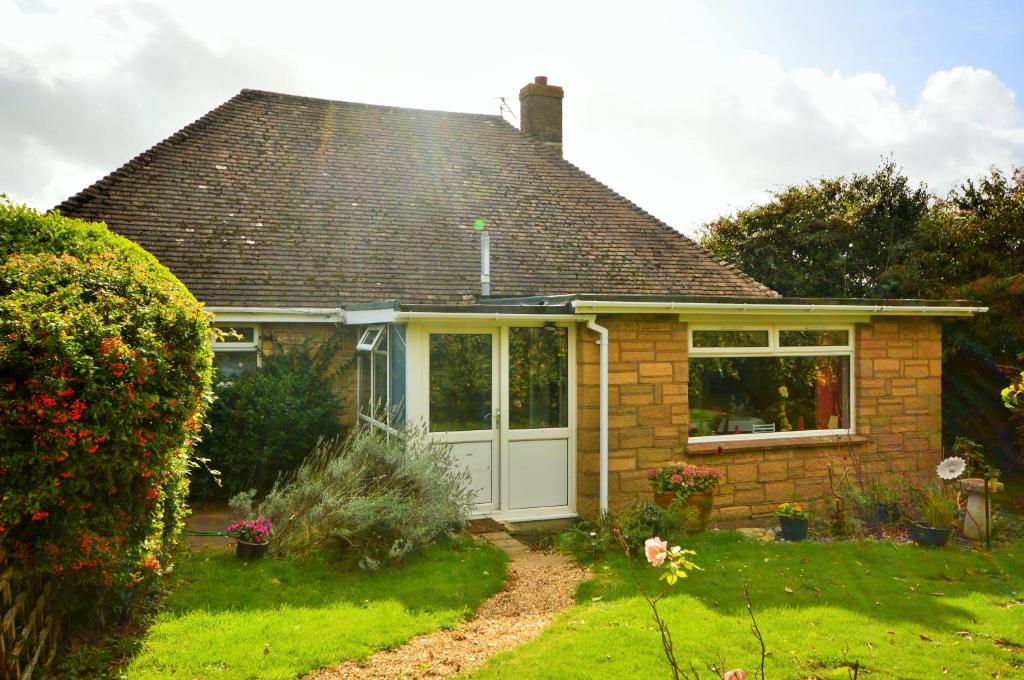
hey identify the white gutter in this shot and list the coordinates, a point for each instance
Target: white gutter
(278, 314)
(602, 332)
(640, 307)
(495, 316)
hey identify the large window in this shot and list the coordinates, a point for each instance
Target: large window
(236, 350)
(770, 381)
(381, 376)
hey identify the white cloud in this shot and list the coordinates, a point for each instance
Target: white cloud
(663, 102)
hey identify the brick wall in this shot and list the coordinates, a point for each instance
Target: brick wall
(648, 414)
(898, 377)
(289, 336)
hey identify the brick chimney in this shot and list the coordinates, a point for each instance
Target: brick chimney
(540, 112)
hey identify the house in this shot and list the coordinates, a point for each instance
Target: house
(559, 337)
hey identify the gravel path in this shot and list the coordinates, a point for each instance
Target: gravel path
(540, 585)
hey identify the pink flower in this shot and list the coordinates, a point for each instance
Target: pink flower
(677, 478)
(652, 473)
(735, 674)
(655, 549)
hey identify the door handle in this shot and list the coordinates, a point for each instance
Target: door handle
(497, 417)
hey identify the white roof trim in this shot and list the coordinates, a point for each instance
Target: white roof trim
(278, 314)
(798, 309)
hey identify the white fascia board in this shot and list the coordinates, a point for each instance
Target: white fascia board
(491, 316)
(277, 314)
(697, 308)
(365, 317)
(362, 317)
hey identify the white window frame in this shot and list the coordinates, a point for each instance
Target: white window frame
(774, 349)
(228, 345)
(369, 342)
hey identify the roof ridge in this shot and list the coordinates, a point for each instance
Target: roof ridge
(97, 187)
(549, 151)
(251, 92)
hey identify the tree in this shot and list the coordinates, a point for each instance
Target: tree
(839, 237)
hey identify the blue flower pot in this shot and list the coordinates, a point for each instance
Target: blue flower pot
(250, 551)
(793, 529)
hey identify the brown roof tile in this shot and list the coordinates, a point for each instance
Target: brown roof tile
(278, 200)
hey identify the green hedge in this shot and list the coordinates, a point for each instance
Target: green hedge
(105, 367)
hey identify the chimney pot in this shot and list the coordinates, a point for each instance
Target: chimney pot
(540, 112)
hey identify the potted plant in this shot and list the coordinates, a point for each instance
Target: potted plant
(935, 518)
(938, 505)
(694, 485)
(252, 537)
(884, 505)
(792, 521)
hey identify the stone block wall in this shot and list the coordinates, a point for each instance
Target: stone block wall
(898, 411)
(290, 336)
(648, 413)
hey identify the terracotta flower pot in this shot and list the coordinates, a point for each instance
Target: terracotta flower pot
(664, 499)
(697, 504)
(250, 551)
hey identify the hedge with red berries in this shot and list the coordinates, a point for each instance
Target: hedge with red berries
(105, 368)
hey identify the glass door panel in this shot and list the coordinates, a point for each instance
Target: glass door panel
(538, 374)
(461, 379)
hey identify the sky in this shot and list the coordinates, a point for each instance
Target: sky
(691, 109)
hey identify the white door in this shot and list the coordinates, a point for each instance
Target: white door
(503, 397)
(462, 384)
(537, 446)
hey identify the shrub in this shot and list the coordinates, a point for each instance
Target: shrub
(104, 377)
(592, 539)
(263, 423)
(380, 497)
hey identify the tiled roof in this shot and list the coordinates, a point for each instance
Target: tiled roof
(283, 201)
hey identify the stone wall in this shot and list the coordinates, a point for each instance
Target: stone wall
(290, 336)
(648, 414)
(898, 402)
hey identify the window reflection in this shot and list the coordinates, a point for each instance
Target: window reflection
(460, 382)
(538, 377)
(747, 395)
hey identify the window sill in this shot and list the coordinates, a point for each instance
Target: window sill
(699, 448)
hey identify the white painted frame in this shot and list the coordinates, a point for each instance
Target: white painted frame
(372, 351)
(775, 350)
(229, 346)
(418, 408)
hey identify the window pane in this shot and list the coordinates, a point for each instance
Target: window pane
(460, 382)
(745, 395)
(396, 355)
(238, 334)
(813, 338)
(730, 338)
(538, 377)
(363, 359)
(380, 386)
(230, 364)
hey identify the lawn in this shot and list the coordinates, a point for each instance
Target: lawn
(901, 611)
(282, 618)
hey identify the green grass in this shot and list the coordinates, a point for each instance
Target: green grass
(280, 618)
(901, 611)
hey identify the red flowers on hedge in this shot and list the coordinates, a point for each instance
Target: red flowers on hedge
(105, 361)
